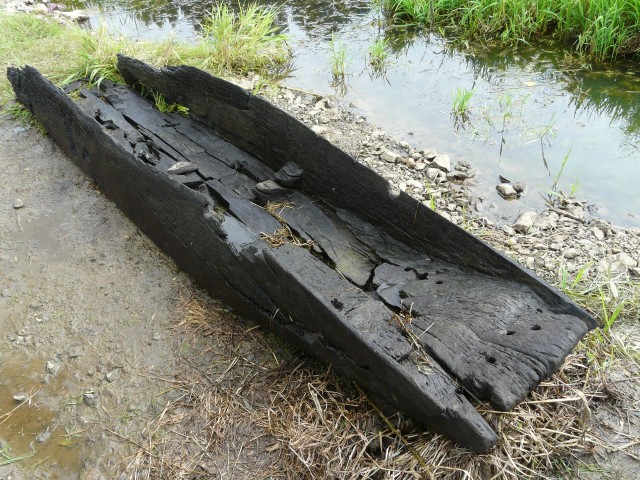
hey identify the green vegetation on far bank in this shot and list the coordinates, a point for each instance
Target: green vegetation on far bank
(602, 29)
(231, 43)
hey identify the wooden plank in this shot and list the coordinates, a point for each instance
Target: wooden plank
(276, 138)
(287, 289)
(308, 218)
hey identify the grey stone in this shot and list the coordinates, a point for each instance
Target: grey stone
(318, 130)
(546, 223)
(457, 176)
(508, 230)
(182, 167)
(524, 222)
(90, 399)
(18, 204)
(420, 166)
(506, 191)
(429, 154)
(442, 162)
(409, 162)
(52, 367)
(112, 375)
(519, 187)
(599, 234)
(389, 157)
(432, 173)
(20, 397)
(570, 253)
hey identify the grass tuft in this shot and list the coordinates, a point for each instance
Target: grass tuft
(338, 59)
(244, 41)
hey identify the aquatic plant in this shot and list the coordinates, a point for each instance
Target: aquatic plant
(338, 60)
(461, 99)
(602, 28)
(246, 40)
(379, 53)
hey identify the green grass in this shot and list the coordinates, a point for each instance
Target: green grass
(244, 41)
(231, 43)
(338, 59)
(379, 53)
(603, 29)
(461, 100)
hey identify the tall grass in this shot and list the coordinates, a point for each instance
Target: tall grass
(242, 42)
(246, 40)
(338, 59)
(602, 29)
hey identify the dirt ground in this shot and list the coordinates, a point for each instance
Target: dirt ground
(87, 315)
(84, 311)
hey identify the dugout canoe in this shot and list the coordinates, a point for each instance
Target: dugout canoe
(294, 233)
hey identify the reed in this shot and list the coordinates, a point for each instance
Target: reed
(603, 29)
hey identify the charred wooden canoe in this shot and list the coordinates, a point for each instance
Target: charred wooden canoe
(294, 233)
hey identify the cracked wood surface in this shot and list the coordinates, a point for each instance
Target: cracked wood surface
(498, 336)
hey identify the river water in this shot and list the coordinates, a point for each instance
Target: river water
(528, 112)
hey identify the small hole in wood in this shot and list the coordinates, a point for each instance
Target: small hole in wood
(536, 327)
(407, 269)
(491, 359)
(539, 310)
(459, 391)
(439, 282)
(510, 332)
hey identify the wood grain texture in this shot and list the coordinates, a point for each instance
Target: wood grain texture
(275, 138)
(212, 230)
(478, 318)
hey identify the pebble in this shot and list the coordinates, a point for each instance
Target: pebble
(112, 375)
(442, 162)
(43, 437)
(409, 162)
(52, 367)
(599, 234)
(182, 167)
(524, 222)
(506, 191)
(429, 154)
(389, 156)
(508, 230)
(18, 204)
(457, 176)
(20, 397)
(519, 187)
(546, 222)
(318, 130)
(432, 173)
(420, 166)
(570, 253)
(90, 399)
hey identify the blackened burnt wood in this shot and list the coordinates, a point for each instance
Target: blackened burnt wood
(219, 211)
(214, 233)
(276, 138)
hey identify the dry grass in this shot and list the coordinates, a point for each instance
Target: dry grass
(245, 403)
(284, 234)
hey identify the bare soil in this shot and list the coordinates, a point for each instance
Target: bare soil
(87, 320)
